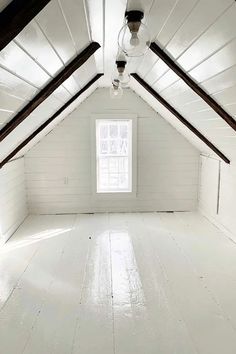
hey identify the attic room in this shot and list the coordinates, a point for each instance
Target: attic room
(117, 177)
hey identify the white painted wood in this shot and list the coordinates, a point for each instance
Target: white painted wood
(59, 32)
(14, 59)
(118, 283)
(225, 218)
(40, 115)
(167, 165)
(209, 184)
(200, 36)
(175, 19)
(15, 86)
(220, 33)
(201, 17)
(79, 31)
(95, 14)
(33, 40)
(13, 200)
(61, 38)
(170, 118)
(50, 127)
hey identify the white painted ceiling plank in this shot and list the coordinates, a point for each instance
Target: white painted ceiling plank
(95, 12)
(161, 9)
(158, 70)
(4, 117)
(51, 18)
(176, 18)
(168, 116)
(9, 102)
(34, 42)
(221, 61)
(85, 73)
(74, 14)
(65, 113)
(203, 15)
(15, 60)
(216, 37)
(147, 63)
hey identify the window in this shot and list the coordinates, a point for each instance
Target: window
(114, 155)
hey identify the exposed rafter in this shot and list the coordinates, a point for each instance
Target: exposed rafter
(49, 89)
(193, 85)
(48, 121)
(180, 117)
(16, 16)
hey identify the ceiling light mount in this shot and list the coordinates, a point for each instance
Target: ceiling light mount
(134, 16)
(120, 64)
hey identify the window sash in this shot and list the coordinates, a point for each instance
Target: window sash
(106, 174)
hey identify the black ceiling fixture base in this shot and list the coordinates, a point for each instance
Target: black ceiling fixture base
(120, 63)
(134, 16)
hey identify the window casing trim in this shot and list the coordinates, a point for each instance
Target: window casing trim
(112, 195)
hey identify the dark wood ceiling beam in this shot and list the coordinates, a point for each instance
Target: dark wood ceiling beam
(49, 89)
(180, 117)
(50, 120)
(16, 16)
(193, 85)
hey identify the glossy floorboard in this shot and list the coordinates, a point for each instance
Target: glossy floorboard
(118, 283)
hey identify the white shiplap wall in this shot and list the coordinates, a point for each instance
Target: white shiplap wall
(58, 169)
(13, 201)
(218, 186)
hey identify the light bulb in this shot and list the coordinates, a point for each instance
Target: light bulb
(134, 40)
(116, 91)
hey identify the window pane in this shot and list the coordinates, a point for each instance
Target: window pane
(113, 165)
(103, 147)
(113, 130)
(123, 131)
(104, 131)
(113, 147)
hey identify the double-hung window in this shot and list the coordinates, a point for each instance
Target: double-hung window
(114, 155)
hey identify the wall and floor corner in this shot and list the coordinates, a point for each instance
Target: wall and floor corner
(13, 199)
(217, 194)
(58, 169)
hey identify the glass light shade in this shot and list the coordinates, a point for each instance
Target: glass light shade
(134, 39)
(123, 77)
(116, 91)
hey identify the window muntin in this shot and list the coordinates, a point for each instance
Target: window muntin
(114, 155)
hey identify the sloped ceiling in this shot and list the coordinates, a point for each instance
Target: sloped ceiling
(200, 35)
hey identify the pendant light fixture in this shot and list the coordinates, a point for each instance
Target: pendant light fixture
(116, 91)
(134, 38)
(120, 72)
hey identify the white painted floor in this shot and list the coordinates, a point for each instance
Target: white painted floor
(118, 283)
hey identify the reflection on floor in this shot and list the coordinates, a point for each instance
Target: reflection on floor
(118, 283)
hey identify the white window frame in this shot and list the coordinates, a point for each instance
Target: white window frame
(117, 194)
